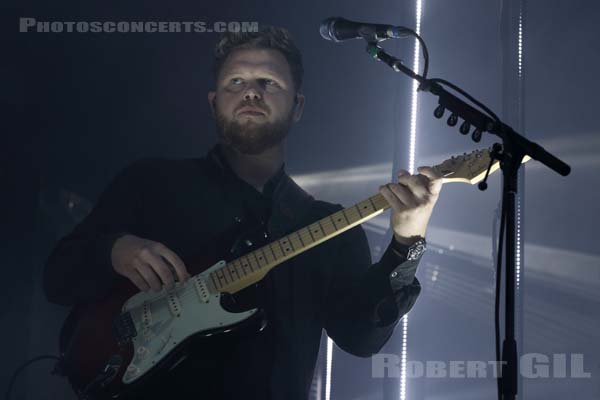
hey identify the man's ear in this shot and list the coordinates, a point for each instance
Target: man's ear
(298, 106)
(212, 98)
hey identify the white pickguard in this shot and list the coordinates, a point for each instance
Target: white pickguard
(164, 319)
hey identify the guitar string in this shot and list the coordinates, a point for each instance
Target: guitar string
(189, 289)
(326, 222)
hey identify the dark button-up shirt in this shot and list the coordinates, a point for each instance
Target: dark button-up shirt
(192, 206)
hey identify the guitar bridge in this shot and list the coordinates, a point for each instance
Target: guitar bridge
(124, 328)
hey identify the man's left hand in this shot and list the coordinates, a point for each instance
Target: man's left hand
(412, 200)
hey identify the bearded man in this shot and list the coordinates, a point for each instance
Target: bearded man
(158, 216)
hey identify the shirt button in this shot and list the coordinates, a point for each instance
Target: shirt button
(394, 274)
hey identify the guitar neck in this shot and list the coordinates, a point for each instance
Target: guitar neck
(252, 267)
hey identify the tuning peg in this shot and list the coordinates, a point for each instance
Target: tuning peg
(452, 120)
(439, 111)
(476, 136)
(465, 127)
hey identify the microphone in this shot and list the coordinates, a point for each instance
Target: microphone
(339, 29)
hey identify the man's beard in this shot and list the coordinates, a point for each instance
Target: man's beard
(251, 137)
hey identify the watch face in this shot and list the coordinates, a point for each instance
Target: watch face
(416, 250)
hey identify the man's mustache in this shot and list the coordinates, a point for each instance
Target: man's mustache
(261, 106)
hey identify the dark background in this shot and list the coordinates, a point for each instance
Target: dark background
(79, 107)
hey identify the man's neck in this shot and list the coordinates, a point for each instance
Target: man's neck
(255, 169)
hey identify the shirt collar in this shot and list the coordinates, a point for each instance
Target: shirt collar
(216, 156)
(290, 202)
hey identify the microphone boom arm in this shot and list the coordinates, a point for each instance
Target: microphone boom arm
(520, 145)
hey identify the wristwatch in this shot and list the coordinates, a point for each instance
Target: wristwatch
(410, 252)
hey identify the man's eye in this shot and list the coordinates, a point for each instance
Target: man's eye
(265, 82)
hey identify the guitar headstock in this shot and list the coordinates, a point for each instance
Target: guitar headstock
(469, 167)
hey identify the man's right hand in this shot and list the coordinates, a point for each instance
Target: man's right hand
(146, 263)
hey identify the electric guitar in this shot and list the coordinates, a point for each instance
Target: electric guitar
(113, 346)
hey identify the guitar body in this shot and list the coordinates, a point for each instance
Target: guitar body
(113, 346)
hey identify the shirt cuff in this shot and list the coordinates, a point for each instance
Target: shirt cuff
(393, 285)
(401, 272)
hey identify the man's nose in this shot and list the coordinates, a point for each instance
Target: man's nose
(252, 92)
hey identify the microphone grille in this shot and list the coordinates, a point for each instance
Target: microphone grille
(326, 29)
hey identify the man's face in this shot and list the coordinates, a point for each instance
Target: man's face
(254, 103)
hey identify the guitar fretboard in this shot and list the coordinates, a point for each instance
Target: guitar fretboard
(244, 271)
(252, 267)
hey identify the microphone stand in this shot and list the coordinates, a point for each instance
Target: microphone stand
(510, 154)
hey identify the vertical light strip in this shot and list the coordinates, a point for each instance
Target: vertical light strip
(328, 369)
(403, 360)
(411, 169)
(413, 111)
(518, 246)
(520, 44)
(518, 202)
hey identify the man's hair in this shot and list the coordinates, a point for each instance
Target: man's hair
(267, 37)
